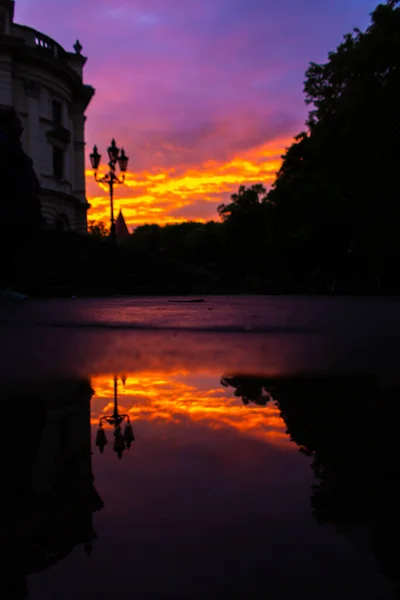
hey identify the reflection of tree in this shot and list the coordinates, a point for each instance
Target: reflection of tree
(249, 389)
(50, 494)
(348, 427)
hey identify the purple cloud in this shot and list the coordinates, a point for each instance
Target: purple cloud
(179, 84)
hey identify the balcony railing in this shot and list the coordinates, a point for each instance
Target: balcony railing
(44, 42)
(38, 40)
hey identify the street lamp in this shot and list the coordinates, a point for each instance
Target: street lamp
(115, 156)
(122, 441)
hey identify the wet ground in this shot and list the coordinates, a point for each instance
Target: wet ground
(233, 448)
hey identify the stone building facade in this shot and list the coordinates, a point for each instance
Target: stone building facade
(45, 85)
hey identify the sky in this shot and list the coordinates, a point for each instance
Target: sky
(203, 95)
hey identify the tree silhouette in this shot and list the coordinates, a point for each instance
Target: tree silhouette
(249, 389)
(335, 194)
(98, 230)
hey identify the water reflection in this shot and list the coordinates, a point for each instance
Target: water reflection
(122, 441)
(50, 496)
(345, 424)
(349, 428)
(182, 397)
(215, 480)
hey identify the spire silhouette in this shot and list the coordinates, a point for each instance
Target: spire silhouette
(121, 229)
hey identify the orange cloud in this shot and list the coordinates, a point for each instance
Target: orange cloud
(177, 195)
(160, 397)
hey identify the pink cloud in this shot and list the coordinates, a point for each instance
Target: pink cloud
(179, 84)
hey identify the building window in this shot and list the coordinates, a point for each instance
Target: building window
(57, 113)
(58, 163)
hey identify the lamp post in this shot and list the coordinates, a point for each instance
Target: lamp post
(115, 156)
(122, 441)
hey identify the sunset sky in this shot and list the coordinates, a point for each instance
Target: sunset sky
(203, 95)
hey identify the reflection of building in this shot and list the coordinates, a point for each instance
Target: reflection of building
(51, 492)
(45, 85)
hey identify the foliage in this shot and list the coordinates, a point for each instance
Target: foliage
(335, 194)
(191, 242)
(248, 203)
(98, 230)
(329, 222)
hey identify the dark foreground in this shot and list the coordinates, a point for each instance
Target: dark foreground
(62, 265)
(264, 461)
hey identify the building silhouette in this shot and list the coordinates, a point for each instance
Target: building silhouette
(44, 83)
(121, 229)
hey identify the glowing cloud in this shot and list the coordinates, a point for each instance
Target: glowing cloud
(193, 194)
(194, 91)
(178, 397)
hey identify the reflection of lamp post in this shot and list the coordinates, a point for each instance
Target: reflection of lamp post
(122, 440)
(115, 155)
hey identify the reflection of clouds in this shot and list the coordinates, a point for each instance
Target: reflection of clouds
(178, 397)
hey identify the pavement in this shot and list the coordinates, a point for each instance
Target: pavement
(267, 335)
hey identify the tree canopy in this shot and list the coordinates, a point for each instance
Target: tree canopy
(329, 221)
(337, 188)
